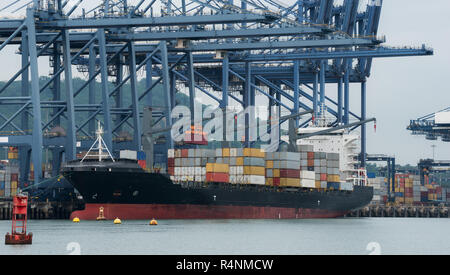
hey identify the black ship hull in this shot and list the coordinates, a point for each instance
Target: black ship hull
(126, 191)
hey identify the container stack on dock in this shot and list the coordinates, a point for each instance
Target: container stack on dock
(379, 189)
(2, 183)
(416, 188)
(13, 153)
(408, 190)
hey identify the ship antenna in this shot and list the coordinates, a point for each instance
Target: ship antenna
(101, 145)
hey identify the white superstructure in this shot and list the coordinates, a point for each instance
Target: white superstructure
(341, 141)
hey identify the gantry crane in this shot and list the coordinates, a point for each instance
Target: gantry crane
(229, 51)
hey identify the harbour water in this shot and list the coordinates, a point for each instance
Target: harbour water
(237, 237)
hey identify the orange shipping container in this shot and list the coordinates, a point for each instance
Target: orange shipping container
(218, 177)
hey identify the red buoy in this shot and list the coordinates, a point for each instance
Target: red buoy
(19, 222)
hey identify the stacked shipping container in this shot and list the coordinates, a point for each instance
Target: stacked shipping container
(9, 181)
(379, 189)
(255, 167)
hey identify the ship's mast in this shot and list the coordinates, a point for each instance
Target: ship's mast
(101, 145)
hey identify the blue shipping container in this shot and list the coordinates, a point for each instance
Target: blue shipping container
(2, 185)
(141, 155)
(371, 175)
(399, 194)
(333, 185)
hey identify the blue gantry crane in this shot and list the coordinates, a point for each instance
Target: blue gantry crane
(432, 126)
(229, 51)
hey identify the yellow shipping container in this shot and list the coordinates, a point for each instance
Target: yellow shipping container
(399, 200)
(12, 155)
(409, 200)
(269, 164)
(13, 192)
(287, 182)
(318, 185)
(269, 181)
(217, 168)
(254, 170)
(276, 173)
(240, 161)
(252, 152)
(333, 178)
(14, 184)
(226, 152)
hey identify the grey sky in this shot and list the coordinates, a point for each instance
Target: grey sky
(399, 89)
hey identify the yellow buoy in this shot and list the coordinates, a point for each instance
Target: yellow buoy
(153, 222)
(76, 220)
(117, 221)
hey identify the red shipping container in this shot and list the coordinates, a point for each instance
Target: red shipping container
(218, 177)
(184, 153)
(14, 177)
(311, 156)
(171, 171)
(323, 177)
(171, 162)
(142, 163)
(290, 173)
(310, 163)
(276, 181)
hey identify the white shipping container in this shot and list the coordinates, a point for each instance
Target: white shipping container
(191, 171)
(240, 170)
(257, 180)
(171, 153)
(177, 171)
(198, 171)
(232, 171)
(308, 183)
(7, 189)
(128, 154)
(184, 171)
(442, 118)
(309, 175)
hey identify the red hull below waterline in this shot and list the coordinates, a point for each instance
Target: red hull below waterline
(180, 211)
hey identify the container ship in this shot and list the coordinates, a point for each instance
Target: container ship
(224, 183)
